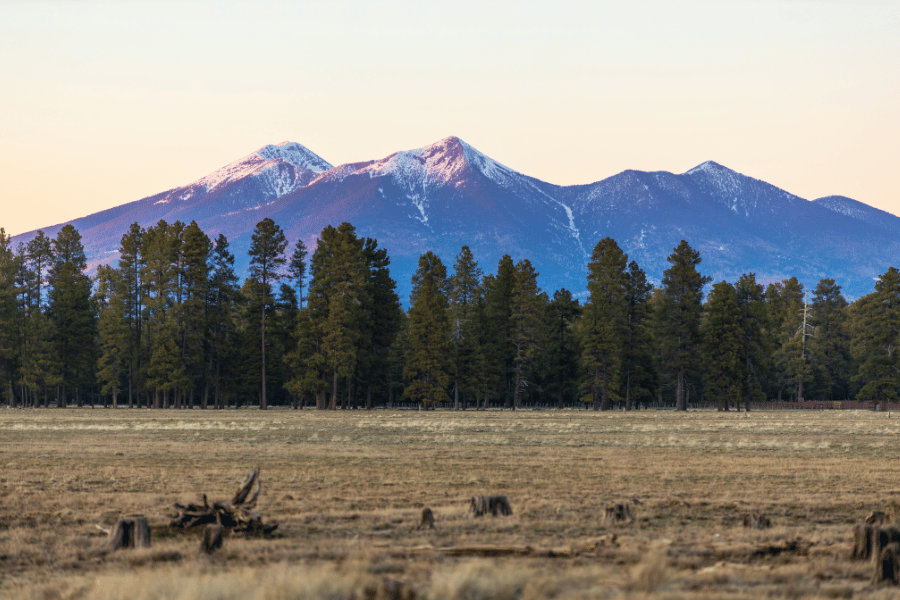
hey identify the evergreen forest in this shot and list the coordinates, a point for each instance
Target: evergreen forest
(173, 326)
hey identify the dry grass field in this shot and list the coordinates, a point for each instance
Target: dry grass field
(347, 490)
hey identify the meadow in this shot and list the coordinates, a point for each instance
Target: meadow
(347, 489)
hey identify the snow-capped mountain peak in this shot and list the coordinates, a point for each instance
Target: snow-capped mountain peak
(266, 158)
(297, 155)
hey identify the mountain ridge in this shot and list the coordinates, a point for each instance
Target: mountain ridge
(448, 194)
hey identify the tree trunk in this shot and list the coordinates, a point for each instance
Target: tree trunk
(369, 396)
(334, 391)
(262, 398)
(680, 401)
(628, 401)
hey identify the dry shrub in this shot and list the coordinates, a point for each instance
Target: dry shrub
(282, 582)
(478, 580)
(652, 570)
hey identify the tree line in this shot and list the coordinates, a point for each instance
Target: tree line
(172, 326)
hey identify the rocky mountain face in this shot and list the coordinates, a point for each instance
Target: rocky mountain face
(449, 194)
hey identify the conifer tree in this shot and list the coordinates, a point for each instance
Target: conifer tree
(498, 348)
(40, 258)
(639, 375)
(785, 302)
(70, 310)
(266, 261)
(562, 349)
(195, 250)
(428, 363)
(466, 293)
(112, 332)
(333, 327)
(757, 348)
(297, 269)
(723, 347)
(223, 296)
(604, 325)
(679, 318)
(8, 318)
(132, 294)
(831, 345)
(877, 340)
(381, 320)
(525, 324)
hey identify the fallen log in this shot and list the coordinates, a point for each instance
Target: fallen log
(237, 515)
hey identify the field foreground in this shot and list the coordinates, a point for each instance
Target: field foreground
(347, 489)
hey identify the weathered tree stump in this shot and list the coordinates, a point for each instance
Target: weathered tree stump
(869, 540)
(493, 505)
(617, 514)
(427, 519)
(212, 539)
(887, 566)
(237, 515)
(862, 542)
(876, 517)
(757, 521)
(130, 533)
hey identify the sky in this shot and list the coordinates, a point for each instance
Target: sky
(107, 102)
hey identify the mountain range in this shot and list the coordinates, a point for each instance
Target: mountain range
(449, 194)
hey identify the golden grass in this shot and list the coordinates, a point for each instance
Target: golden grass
(347, 489)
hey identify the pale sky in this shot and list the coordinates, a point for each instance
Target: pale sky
(103, 103)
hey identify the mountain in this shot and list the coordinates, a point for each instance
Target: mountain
(448, 194)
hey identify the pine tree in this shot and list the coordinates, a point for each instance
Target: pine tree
(639, 375)
(70, 310)
(466, 293)
(112, 331)
(604, 325)
(8, 318)
(723, 347)
(754, 323)
(831, 345)
(221, 309)
(562, 348)
(877, 340)
(527, 308)
(381, 306)
(495, 323)
(266, 260)
(785, 302)
(196, 250)
(679, 318)
(297, 269)
(334, 326)
(132, 294)
(429, 364)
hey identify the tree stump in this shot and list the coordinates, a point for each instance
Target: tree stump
(876, 517)
(887, 566)
(757, 521)
(869, 540)
(427, 519)
(862, 542)
(212, 539)
(617, 514)
(493, 505)
(130, 533)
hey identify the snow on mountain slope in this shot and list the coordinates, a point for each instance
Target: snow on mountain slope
(861, 212)
(284, 167)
